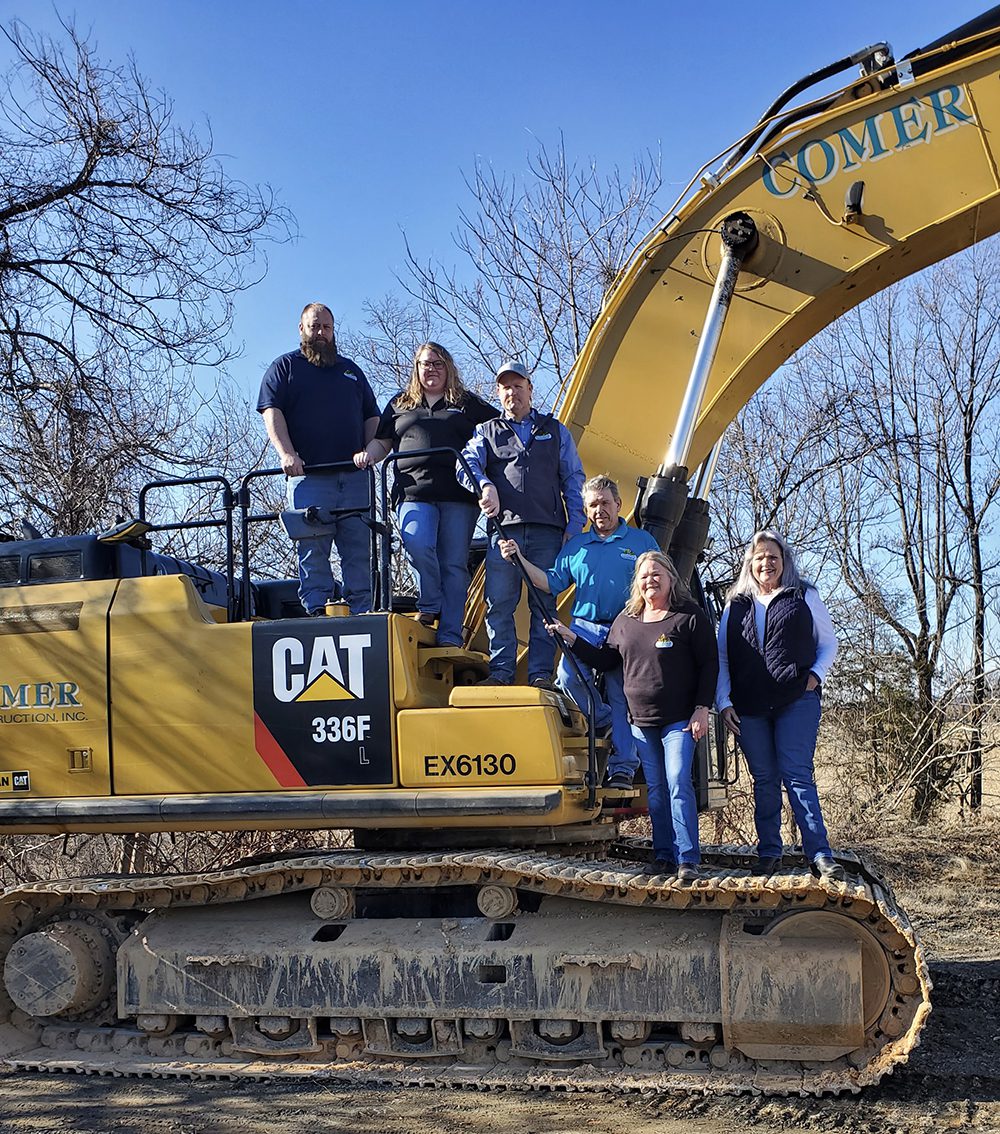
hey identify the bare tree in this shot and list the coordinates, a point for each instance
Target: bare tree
(963, 307)
(122, 245)
(543, 250)
(772, 461)
(916, 370)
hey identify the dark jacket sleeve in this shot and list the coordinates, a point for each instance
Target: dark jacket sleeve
(597, 657)
(706, 652)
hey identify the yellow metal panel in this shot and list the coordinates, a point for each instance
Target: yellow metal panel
(480, 747)
(53, 690)
(181, 692)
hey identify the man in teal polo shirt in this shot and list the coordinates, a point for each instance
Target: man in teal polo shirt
(600, 563)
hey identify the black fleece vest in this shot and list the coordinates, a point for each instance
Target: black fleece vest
(765, 680)
(526, 477)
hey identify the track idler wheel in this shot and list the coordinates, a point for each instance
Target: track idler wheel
(876, 979)
(64, 969)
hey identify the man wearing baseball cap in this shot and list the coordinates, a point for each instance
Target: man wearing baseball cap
(528, 475)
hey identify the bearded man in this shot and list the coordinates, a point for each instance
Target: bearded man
(319, 409)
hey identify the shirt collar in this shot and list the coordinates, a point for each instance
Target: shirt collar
(616, 534)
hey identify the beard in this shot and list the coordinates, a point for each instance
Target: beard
(319, 352)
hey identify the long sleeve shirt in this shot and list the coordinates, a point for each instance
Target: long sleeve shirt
(570, 471)
(670, 667)
(823, 633)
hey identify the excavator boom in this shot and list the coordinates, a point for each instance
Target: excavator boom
(831, 191)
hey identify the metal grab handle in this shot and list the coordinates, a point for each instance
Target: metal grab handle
(246, 518)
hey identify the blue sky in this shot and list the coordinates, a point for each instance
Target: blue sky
(363, 116)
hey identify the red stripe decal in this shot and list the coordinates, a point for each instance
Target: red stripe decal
(274, 757)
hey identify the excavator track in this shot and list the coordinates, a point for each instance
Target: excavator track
(63, 941)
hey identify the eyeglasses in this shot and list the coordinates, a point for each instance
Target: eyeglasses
(432, 364)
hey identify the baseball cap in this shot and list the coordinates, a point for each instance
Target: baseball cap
(514, 368)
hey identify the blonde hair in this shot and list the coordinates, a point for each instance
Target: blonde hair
(455, 392)
(679, 592)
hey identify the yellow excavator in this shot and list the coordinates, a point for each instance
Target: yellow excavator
(490, 926)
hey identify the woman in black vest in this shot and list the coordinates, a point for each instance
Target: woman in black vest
(437, 516)
(776, 646)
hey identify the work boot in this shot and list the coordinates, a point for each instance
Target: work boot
(619, 781)
(764, 866)
(688, 872)
(662, 866)
(827, 867)
(544, 683)
(492, 681)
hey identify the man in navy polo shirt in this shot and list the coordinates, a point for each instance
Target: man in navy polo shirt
(600, 563)
(319, 410)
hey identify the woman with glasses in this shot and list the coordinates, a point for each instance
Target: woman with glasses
(436, 515)
(776, 646)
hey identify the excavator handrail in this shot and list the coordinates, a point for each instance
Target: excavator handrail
(228, 505)
(247, 518)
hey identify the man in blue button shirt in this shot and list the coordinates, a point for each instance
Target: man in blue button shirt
(528, 475)
(600, 563)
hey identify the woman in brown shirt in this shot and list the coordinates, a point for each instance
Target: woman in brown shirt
(666, 646)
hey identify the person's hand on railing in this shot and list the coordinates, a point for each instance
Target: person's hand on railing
(291, 464)
(489, 501)
(557, 629)
(371, 454)
(509, 549)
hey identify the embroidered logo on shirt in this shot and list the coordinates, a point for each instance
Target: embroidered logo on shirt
(543, 436)
(628, 553)
(663, 642)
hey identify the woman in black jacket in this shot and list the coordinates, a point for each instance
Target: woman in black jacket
(437, 517)
(776, 645)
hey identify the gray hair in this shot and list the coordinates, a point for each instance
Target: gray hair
(602, 483)
(746, 584)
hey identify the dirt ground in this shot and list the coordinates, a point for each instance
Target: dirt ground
(948, 880)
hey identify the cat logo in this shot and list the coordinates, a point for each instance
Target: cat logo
(15, 781)
(334, 670)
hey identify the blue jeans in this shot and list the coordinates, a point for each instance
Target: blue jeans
(612, 712)
(667, 755)
(779, 750)
(436, 537)
(350, 534)
(540, 544)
